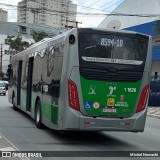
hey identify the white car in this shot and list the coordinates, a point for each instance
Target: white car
(2, 88)
(6, 83)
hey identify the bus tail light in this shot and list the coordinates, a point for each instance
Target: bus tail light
(73, 95)
(143, 99)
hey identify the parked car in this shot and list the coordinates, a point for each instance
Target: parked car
(5, 78)
(2, 88)
(6, 83)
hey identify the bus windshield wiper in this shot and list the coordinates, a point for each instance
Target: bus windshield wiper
(90, 47)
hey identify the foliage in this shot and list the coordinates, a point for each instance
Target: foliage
(1, 74)
(38, 36)
(18, 44)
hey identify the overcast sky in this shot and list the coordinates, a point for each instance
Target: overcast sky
(84, 6)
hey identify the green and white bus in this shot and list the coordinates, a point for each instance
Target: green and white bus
(85, 80)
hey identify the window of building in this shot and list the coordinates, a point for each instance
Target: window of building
(6, 52)
(23, 29)
(6, 41)
(9, 52)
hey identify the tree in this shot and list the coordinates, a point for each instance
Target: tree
(38, 36)
(1, 74)
(26, 44)
(18, 44)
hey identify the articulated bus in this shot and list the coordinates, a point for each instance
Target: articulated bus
(84, 80)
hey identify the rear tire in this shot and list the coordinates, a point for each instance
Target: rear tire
(13, 102)
(38, 115)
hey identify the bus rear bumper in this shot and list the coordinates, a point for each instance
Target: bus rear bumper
(135, 123)
(77, 121)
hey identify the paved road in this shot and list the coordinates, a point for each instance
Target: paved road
(19, 132)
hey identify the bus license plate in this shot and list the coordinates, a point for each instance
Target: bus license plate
(110, 110)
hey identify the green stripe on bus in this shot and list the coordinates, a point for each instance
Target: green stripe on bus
(50, 112)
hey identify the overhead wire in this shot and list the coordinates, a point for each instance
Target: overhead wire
(89, 6)
(113, 5)
(9, 5)
(106, 4)
(56, 1)
(88, 14)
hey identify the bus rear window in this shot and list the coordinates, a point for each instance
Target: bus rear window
(112, 48)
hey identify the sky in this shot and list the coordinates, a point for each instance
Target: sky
(83, 6)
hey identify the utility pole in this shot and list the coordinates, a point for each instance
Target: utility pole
(77, 23)
(1, 54)
(73, 22)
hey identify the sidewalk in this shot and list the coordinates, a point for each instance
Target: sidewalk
(153, 112)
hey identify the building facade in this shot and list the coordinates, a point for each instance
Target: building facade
(3, 15)
(59, 14)
(147, 21)
(23, 30)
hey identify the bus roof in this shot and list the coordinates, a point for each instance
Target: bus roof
(38, 46)
(114, 30)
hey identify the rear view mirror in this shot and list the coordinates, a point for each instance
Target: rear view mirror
(10, 71)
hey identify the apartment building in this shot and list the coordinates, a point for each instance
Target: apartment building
(55, 13)
(3, 15)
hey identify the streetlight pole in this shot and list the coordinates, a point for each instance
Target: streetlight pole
(1, 54)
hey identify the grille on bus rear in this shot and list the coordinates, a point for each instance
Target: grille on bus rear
(115, 76)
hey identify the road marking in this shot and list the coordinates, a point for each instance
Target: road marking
(13, 148)
(10, 143)
(7, 149)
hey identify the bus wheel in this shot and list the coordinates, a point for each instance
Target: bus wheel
(38, 115)
(13, 102)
